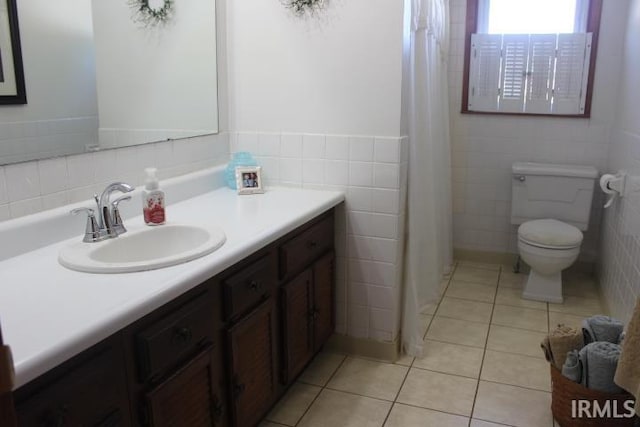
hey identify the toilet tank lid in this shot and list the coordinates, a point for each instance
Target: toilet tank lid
(529, 168)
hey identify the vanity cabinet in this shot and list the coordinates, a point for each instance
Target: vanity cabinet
(219, 355)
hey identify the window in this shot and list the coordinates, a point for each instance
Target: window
(530, 57)
(526, 17)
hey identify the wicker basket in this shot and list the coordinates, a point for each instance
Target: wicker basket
(564, 391)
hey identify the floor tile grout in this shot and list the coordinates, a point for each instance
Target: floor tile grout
(493, 422)
(514, 385)
(447, 373)
(321, 389)
(484, 354)
(430, 409)
(353, 393)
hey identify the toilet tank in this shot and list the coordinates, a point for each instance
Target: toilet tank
(562, 192)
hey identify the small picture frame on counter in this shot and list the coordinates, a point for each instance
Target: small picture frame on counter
(249, 179)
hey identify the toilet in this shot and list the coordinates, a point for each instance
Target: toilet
(551, 204)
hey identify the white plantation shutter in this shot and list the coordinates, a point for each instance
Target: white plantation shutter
(515, 48)
(484, 72)
(572, 67)
(531, 73)
(542, 56)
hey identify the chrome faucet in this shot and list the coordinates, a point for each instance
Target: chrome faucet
(105, 209)
(108, 223)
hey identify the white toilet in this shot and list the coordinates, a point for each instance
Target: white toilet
(552, 204)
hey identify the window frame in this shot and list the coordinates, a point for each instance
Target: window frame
(593, 26)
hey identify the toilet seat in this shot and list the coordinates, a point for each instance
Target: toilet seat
(550, 234)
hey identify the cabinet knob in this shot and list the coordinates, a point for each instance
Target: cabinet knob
(57, 418)
(256, 286)
(182, 335)
(312, 244)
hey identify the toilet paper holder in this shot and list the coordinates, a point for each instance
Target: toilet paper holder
(614, 185)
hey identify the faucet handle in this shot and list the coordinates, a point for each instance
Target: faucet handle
(92, 229)
(117, 223)
(117, 201)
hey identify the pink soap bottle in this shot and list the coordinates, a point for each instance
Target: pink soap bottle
(152, 199)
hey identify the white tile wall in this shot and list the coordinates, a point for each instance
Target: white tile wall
(619, 266)
(484, 147)
(20, 141)
(33, 186)
(369, 230)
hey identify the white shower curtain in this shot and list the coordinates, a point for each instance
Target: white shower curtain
(429, 252)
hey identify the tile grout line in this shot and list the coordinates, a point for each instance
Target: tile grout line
(495, 422)
(353, 393)
(518, 386)
(322, 388)
(395, 400)
(484, 352)
(490, 324)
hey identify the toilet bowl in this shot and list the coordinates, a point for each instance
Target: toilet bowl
(548, 246)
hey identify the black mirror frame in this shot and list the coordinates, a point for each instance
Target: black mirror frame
(21, 95)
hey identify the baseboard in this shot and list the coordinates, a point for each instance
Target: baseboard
(588, 267)
(387, 351)
(510, 259)
(487, 257)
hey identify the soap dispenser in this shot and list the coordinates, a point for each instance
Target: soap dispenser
(152, 199)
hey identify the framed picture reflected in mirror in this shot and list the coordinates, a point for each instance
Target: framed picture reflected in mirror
(12, 88)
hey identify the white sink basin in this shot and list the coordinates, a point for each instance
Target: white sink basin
(143, 249)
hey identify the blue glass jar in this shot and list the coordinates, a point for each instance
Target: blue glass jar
(241, 158)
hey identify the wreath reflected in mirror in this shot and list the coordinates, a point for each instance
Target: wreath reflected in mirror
(151, 13)
(304, 7)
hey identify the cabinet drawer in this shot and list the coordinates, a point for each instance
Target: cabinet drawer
(174, 337)
(93, 393)
(245, 289)
(298, 252)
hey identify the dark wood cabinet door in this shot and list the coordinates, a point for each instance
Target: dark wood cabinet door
(7, 411)
(90, 393)
(297, 312)
(323, 285)
(252, 354)
(187, 398)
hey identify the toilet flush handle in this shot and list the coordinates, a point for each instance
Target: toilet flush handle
(520, 178)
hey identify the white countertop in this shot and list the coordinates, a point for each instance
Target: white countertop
(49, 314)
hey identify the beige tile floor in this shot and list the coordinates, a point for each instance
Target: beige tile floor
(482, 366)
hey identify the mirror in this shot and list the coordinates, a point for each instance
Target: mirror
(98, 77)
